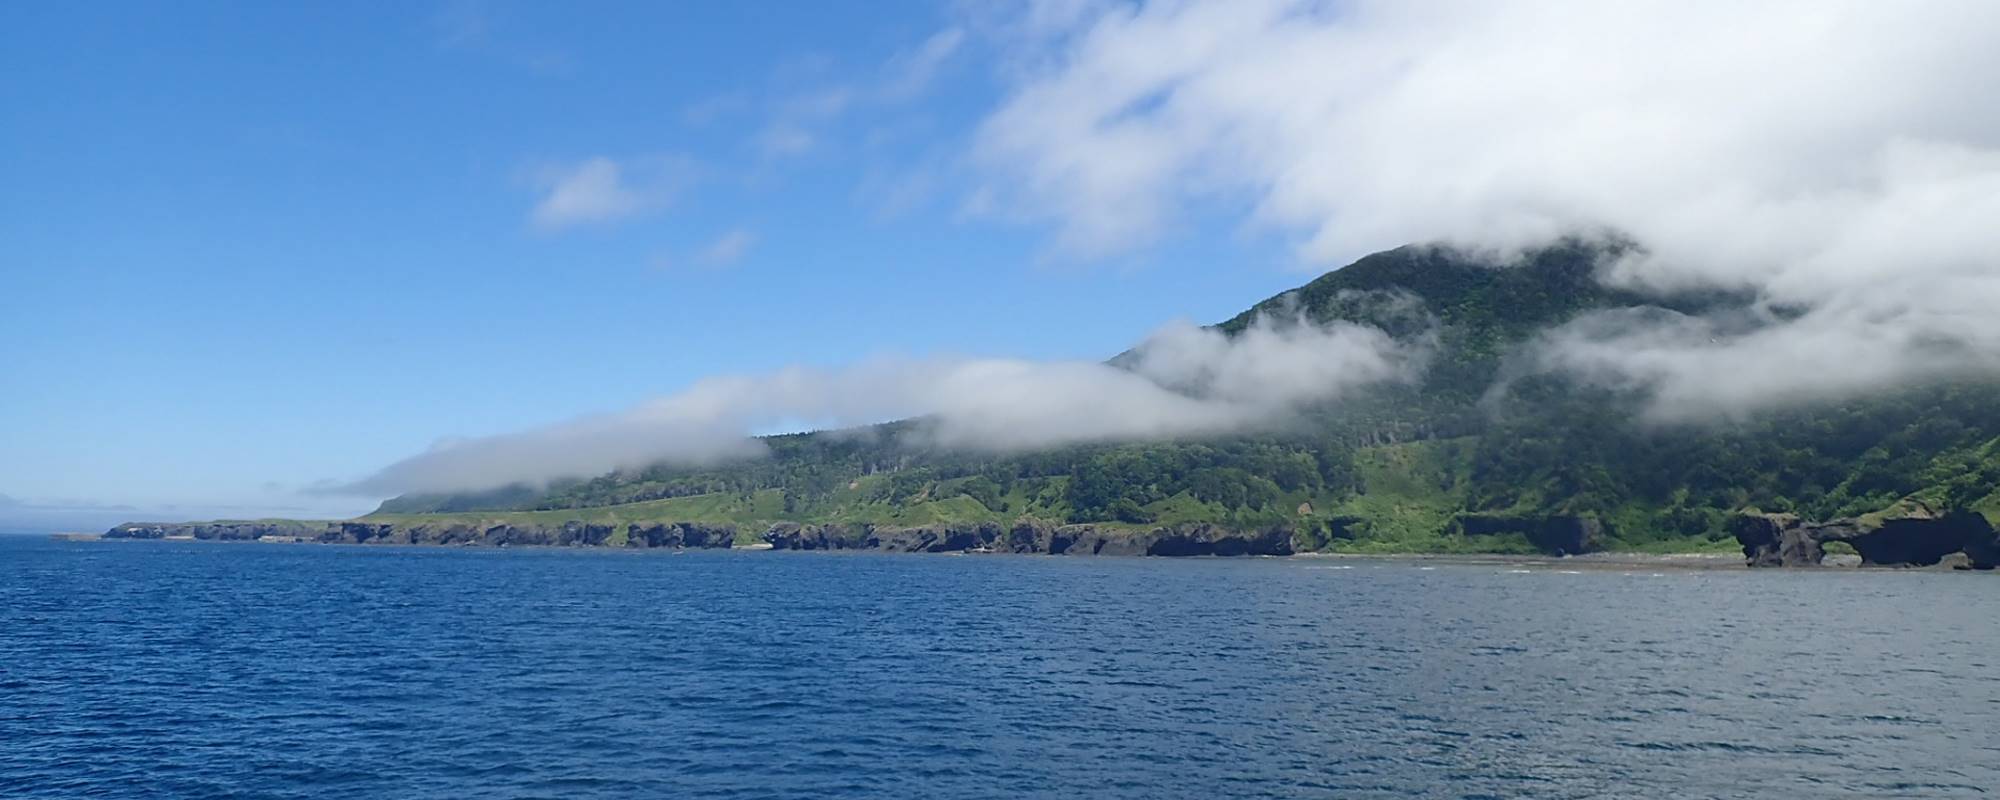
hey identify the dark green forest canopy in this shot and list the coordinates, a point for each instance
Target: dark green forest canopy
(1471, 435)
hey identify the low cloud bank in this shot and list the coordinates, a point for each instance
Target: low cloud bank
(1838, 160)
(1183, 380)
(1842, 158)
(1731, 365)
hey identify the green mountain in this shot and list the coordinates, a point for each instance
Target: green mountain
(1457, 461)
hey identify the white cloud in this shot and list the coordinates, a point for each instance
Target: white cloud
(725, 250)
(1732, 365)
(796, 122)
(1184, 380)
(909, 74)
(819, 105)
(1840, 160)
(806, 120)
(478, 27)
(785, 139)
(1836, 156)
(895, 192)
(601, 190)
(591, 191)
(728, 248)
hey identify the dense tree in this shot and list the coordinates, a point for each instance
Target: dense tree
(1520, 442)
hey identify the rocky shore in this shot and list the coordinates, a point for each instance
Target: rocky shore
(1024, 536)
(1032, 536)
(1912, 534)
(579, 534)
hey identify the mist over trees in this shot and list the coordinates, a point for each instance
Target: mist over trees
(1515, 432)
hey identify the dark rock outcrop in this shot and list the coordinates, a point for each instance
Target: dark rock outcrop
(1029, 535)
(794, 536)
(1034, 536)
(219, 531)
(679, 534)
(1176, 540)
(1346, 528)
(1776, 540)
(1209, 540)
(1911, 534)
(1556, 535)
(566, 534)
(933, 538)
(1983, 551)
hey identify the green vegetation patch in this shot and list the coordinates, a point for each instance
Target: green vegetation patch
(1388, 470)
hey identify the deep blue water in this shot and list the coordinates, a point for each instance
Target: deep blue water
(215, 670)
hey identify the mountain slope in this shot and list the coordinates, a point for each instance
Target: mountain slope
(1473, 457)
(1456, 461)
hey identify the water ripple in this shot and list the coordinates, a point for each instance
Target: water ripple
(202, 670)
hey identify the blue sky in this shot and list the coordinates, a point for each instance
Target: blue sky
(251, 247)
(252, 250)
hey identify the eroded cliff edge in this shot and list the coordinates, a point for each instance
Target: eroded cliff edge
(1032, 536)
(1912, 534)
(1909, 535)
(1027, 535)
(574, 534)
(1024, 536)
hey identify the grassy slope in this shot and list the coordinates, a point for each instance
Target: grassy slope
(1413, 491)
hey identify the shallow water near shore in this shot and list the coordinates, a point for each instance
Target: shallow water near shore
(187, 669)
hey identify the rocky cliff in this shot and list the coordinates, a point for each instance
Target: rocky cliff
(1556, 535)
(1912, 534)
(1023, 536)
(1033, 536)
(636, 535)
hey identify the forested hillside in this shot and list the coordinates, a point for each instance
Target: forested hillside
(1401, 467)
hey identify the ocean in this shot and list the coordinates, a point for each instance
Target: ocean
(198, 670)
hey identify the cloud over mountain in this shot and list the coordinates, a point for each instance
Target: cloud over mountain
(1839, 162)
(1183, 380)
(1837, 157)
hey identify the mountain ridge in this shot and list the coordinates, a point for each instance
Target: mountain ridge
(1468, 457)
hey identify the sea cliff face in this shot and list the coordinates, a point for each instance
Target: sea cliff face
(637, 535)
(1024, 536)
(1911, 535)
(1031, 536)
(1556, 535)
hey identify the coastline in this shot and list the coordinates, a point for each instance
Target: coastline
(1607, 560)
(1601, 560)
(1024, 537)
